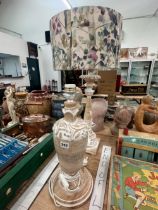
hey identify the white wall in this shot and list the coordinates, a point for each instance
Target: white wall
(18, 47)
(46, 64)
(141, 33)
(31, 19)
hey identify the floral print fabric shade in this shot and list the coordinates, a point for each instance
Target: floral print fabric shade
(86, 38)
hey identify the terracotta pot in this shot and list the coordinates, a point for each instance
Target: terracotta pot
(21, 95)
(39, 102)
(99, 109)
(36, 125)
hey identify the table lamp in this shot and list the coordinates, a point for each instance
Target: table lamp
(84, 38)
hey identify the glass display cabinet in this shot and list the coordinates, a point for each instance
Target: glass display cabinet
(139, 72)
(154, 80)
(123, 70)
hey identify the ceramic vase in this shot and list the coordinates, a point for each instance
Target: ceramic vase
(20, 106)
(99, 109)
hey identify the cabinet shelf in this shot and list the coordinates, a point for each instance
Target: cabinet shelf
(142, 71)
(2, 77)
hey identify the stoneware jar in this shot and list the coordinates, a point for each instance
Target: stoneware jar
(39, 102)
(20, 106)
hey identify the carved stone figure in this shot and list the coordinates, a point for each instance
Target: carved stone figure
(146, 106)
(122, 118)
(10, 103)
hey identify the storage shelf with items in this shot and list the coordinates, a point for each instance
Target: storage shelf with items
(154, 80)
(139, 72)
(123, 70)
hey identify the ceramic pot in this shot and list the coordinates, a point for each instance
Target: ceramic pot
(57, 106)
(99, 109)
(20, 106)
(39, 102)
(36, 125)
(70, 139)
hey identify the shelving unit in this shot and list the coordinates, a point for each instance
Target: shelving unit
(154, 80)
(140, 72)
(123, 70)
(1, 71)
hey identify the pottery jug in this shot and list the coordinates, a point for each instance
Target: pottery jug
(39, 102)
(70, 139)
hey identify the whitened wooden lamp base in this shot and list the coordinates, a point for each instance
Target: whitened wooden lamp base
(62, 197)
(93, 142)
(92, 146)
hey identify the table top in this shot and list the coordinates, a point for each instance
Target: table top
(139, 134)
(43, 200)
(118, 96)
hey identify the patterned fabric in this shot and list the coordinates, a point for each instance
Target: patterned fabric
(86, 38)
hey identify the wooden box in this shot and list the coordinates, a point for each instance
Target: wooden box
(143, 146)
(23, 170)
(133, 89)
(107, 83)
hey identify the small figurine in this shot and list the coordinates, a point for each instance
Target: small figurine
(10, 103)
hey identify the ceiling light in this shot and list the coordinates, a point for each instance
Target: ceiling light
(67, 4)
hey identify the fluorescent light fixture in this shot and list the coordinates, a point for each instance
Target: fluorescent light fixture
(67, 4)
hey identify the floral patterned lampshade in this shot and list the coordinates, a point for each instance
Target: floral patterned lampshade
(86, 38)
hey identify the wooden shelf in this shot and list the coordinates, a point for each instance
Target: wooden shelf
(1, 77)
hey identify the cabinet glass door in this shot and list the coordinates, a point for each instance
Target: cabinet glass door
(139, 73)
(154, 81)
(123, 71)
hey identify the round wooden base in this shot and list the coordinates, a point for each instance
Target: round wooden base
(66, 198)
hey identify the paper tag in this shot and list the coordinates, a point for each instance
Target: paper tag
(97, 198)
(64, 145)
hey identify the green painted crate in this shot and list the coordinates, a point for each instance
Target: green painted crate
(23, 170)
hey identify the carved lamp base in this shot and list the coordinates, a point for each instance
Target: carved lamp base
(93, 142)
(70, 198)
